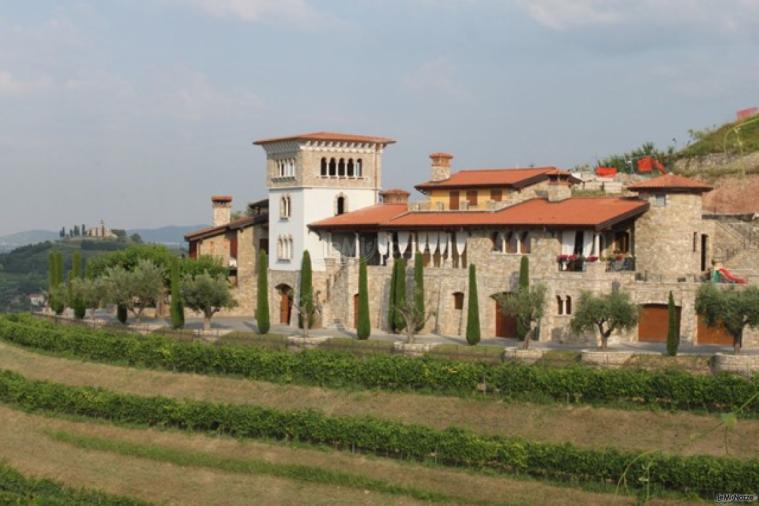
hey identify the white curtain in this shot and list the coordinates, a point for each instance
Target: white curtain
(461, 242)
(434, 241)
(404, 238)
(424, 238)
(567, 242)
(587, 243)
(382, 241)
(443, 243)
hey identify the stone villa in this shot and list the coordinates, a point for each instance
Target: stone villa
(325, 194)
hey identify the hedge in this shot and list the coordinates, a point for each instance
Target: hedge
(702, 475)
(16, 488)
(669, 389)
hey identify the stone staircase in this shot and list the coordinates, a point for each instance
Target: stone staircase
(739, 250)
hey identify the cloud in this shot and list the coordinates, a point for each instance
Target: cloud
(10, 85)
(437, 76)
(725, 16)
(295, 12)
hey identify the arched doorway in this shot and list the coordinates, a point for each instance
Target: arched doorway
(285, 303)
(505, 326)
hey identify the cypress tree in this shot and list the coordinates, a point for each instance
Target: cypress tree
(473, 311)
(419, 289)
(673, 336)
(60, 304)
(262, 294)
(399, 295)
(177, 307)
(306, 295)
(364, 327)
(524, 284)
(391, 298)
(77, 272)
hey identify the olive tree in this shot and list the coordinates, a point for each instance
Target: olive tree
(412, 317)
(208, 295)
(135, 289)
(90, 293)
(605, 313)
(527, 306)
(733, 308)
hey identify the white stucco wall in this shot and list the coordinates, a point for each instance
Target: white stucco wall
(307, 206)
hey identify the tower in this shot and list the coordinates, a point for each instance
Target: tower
(313, 176)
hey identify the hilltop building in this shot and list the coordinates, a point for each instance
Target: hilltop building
(101, 231)
(325, 195)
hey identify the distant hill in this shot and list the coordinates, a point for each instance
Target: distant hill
(12, 241)
(172, 235)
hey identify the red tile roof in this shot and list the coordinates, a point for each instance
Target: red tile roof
(372, 217)
(580, 212)
(515, 178)
(221, 198)
(671, 182)
(247, 221)
(328, 136)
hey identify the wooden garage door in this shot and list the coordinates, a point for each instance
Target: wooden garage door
(652, 327)
(712, 335)
(505, 326)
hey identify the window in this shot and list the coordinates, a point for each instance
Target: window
(350, 167)
(471, 198)
(512, 243)
(332, 167)
(359, 168)
(695, 241)
(285, 207)
(496, 194)
(340, 205)
(341, 168)
(524, 243)
(458, 300)
(284, 247)
(497, 239)
(621, 243)
(660, 200)
(568, 305)
(564, 306)
(324, 167)
(559, 305)
(453, 201)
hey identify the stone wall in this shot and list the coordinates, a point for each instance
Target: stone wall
(717, 163)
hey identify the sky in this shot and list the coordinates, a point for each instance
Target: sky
(136, 111)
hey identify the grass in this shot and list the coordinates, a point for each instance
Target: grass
(22, 441)
(298, 472)
(624, 429)
(724, 139)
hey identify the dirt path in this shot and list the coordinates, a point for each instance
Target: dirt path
(25, 445)
(582, 425)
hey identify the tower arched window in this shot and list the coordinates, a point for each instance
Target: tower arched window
(324, 167)
(341, 168)
(559, 305)
(350, 168)
(332, 167)
(568, 305)
(359, 168)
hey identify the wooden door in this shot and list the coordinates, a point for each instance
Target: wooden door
(454, 201)
(471, 198)
(285, 304)
(713, 335)
(505, 326)
(654, 323)
(355, 311)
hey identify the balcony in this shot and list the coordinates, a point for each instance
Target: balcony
(578, 263)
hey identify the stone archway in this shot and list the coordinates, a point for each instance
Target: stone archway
(285, 293)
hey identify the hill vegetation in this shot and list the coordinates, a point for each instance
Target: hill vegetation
(736, 138)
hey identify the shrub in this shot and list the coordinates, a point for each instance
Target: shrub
(473, 309)
(177, 307)
(703, 475)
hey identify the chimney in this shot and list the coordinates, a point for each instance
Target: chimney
(394, 196)
(222, 209)
(441, 166)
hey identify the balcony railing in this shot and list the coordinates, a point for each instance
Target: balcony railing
(620, 264)
(578, 263)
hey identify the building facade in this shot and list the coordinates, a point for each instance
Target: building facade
(325, 196)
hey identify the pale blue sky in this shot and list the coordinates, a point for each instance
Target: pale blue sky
(136, 111)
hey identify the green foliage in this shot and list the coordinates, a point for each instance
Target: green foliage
(523, 327)
(306, 293)
(129, 258)
(605, 313)
(263, 323)
(136, 289)
(703, 475)
(527, 306)
(76, 302)
(18, 489)
(628, 162)
(732, 138)
(207, 294)
(734, 308)
(86, 294)
(177, 306)
(668, 389)
(204, 263)
(673, 334)
(419, 288)
(398, 295)
(473, 309)
(364, 326)
(58, 295)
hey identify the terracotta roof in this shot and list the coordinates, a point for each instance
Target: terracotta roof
(671, 182)
(372, 217)
(595, 212)
(232, 225)
(221, 198)
(580, 212)
(328, 136)
(516, 178)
